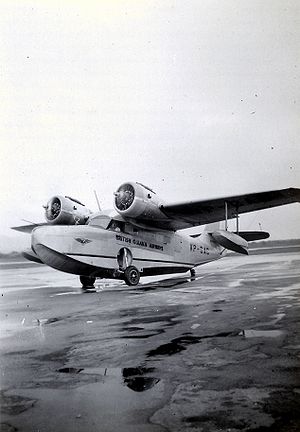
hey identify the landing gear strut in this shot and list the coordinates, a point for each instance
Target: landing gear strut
(87, 282)
(193, 272)
(132, 275)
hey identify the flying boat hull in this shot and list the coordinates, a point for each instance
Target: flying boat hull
(90, 251)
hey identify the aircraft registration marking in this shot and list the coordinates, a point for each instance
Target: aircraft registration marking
(201, 249)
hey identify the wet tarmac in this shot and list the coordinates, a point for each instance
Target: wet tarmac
(220, 352)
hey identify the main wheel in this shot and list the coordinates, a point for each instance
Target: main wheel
(132, 275)
(193, 272)
(87, 282)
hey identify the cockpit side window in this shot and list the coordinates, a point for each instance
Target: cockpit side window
(116, 225)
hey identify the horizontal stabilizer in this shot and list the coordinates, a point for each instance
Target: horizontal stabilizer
(231, 241)
(253, 235)
(27, 228)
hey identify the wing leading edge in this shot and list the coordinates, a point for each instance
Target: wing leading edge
(193, 213)
(28, 228)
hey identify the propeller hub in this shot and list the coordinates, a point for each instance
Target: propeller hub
(124, 196)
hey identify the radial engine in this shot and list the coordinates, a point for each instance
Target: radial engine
(64, 210)
(134, 200)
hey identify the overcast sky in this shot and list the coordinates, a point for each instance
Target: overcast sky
(196, 99)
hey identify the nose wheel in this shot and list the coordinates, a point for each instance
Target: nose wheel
(132, 276)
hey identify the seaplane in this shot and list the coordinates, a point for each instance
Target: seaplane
(143, 235)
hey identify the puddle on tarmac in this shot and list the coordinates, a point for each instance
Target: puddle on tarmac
(46, 321)
(179, 344)
(7, 427)
(194, 326)
(19, 353)
(293, 347)
(163, 284)
(52, 320)
(278, 316)
(149, 321)
(133, 329)
(138, 379)
(143, 336)
(260, 333)
(134, 378)
(15, 404)
(70, 370)
(286, 289)
(66, 293)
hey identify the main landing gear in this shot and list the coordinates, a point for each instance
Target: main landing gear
(132, 276)
(87, 282)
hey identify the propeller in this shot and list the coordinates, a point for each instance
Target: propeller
(53, 209)
(124, 197)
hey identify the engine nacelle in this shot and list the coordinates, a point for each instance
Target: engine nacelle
(64, 210)
(134, 200)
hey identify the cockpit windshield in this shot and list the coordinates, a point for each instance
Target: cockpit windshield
(100, 220)
(107, 223)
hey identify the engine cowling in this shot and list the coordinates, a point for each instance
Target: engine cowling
(64, 210)
(134, 200)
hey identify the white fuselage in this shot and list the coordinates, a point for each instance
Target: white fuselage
(91, 250)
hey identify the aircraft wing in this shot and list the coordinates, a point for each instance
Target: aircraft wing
(27, 228)
(193, 213)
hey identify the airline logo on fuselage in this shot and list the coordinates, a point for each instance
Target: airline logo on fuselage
(83, 240)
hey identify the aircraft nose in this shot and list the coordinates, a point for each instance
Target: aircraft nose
(38, 237)
(51, 246)
(45, 243)
(47, 236)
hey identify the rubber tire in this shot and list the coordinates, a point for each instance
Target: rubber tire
(87, 282)
(132, 276)
(193, 272)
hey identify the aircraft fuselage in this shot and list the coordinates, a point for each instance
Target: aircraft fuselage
(93, 251)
